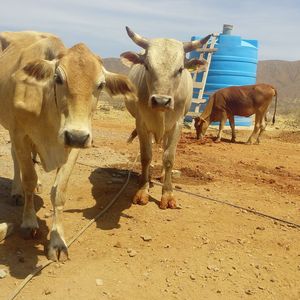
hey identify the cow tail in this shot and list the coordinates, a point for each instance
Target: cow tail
(273, 120)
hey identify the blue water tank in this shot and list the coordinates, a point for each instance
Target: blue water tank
(234, 63)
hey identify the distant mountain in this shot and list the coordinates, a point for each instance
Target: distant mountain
(284, 75)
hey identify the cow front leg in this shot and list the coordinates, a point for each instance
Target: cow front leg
(17, 194)
(22, 159)
(221, 127)
(168, 199)
(142, 195)
(58, 249)
(232, 126)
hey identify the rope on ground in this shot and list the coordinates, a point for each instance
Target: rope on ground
(292, 224)
(84, 228)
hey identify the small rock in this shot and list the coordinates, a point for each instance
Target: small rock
(167, 246)
(117, 245)
(146, 238)
(3, 273)
(192, 276)
(260, 228)
(99, 282)
(248, 292)
(219, 291)
(47, 292)
(176, 173)
(131, 252)
(178, 187)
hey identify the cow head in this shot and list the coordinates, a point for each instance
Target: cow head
(72, 82)
(201, 126)
(165, 62)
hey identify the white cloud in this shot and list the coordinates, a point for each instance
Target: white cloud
(101, 24)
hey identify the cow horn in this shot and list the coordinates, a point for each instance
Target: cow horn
(139, 40)
(190, 46)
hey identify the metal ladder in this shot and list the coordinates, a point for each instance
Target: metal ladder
(201, 85)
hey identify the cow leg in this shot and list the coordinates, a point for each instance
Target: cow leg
(257, 127)
(58, 249)
(232, 126)
(262, 129)
(22, 151)
(39, 184)
(167, 199)
(17, 194)
(221, 127)
(142, 195)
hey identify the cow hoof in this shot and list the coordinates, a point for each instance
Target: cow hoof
(28, 233)
(248, 143)
(58, 253)
(233, 140)
(141, 197)
(217, 141)
(167, 201)
(17, 200)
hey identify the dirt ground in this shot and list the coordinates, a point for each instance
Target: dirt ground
(202, 250)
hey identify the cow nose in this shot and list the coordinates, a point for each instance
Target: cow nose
(76, 138)
(158, 101)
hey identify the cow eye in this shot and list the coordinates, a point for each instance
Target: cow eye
(101, 85)
(58, 79)
(180, 70)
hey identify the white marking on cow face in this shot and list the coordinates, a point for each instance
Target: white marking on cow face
(79, 80)
(164, 63)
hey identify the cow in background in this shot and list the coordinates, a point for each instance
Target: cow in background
(164, 87)
(47, 95)
(237, 101)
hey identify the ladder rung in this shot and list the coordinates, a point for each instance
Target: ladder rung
(198, 101)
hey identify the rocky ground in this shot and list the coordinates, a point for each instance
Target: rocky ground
(202, 250)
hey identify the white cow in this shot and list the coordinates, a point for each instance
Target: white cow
(47, 95)
(164, 88)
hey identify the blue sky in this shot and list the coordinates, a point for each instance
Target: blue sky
(101, 24)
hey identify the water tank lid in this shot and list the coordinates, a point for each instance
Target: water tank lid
(227, 29)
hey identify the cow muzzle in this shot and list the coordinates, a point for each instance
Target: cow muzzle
(77, 138)
(161, 102)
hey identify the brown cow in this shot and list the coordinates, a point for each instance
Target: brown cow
(237, 101)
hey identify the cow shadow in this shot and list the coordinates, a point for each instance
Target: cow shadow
(18, 255)
(228, 141)
(106, 183)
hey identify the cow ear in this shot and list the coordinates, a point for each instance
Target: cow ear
(194, 64)
(131, 58)
(117, 84)
(30, 83)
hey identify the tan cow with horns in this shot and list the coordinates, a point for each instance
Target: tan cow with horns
(47, 95)
(164, 86)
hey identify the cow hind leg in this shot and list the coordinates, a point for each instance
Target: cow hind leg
(168, 200)
(262, 129)
(257, 127)
(142, 195)
(57, 249)
(232, 126)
